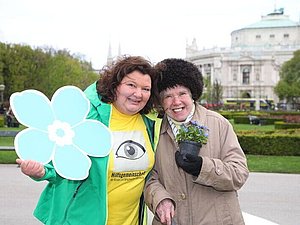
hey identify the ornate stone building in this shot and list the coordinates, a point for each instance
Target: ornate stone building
(250, 67)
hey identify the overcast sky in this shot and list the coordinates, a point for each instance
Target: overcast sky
(155, 29)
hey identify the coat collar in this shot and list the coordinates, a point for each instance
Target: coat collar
(92, 94)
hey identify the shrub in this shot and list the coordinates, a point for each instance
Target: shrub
(1, 121)
(241, 120)
(269, 121)
(283, 125)
(271, 142)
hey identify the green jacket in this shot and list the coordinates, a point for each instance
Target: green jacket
(69, 202)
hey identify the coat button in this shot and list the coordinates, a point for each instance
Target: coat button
(219, 171)
(183, 196)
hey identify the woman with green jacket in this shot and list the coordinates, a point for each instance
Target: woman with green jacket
(112, 193)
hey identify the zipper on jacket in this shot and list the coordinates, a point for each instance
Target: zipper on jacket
(77, 189)
(72, 199)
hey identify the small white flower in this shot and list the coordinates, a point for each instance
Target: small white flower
(61, 133)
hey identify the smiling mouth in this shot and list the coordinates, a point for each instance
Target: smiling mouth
(135, 101)
(177, 110)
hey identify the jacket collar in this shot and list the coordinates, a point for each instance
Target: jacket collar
(92, 94)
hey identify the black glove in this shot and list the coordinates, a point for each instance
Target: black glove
(191, 165)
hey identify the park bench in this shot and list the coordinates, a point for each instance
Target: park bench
(254, 120)
(8, 133)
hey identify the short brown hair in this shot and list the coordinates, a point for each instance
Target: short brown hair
(114, 73)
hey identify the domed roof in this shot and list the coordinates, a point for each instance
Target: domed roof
(275, 19)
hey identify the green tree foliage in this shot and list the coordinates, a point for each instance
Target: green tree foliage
(206, 96)
(217, 92)
(213, 92)
(22, 67)
(289, 85)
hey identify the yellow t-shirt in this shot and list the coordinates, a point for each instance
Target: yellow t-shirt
(130, 161)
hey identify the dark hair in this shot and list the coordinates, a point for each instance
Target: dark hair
(172, 72)
(113, 74)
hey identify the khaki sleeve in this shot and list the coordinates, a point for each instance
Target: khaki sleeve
(228, 172)
(155, 192)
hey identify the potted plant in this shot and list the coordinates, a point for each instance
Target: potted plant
(191, 137)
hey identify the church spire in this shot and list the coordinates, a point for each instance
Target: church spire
(119, 50)
(109, 55)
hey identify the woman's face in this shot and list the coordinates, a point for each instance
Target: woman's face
(133, 93)
(177, 102)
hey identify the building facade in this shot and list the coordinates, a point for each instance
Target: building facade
(250, 67)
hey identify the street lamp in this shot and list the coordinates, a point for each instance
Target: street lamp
(2, 88)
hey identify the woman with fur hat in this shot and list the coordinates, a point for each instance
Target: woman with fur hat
(198, 189)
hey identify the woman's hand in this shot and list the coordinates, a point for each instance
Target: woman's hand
(31, 168)
(165, 211)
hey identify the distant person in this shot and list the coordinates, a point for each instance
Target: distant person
(11, 120)
(2, 109)
(198, 189)
(112, 193)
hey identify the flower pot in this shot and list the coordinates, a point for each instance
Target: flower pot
(190, 147)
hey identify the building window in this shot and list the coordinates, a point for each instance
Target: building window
(207, 69)
(246, 75)
(258, 36)
(286, 35)
(272, 35)
(257, 77)
(234, 77)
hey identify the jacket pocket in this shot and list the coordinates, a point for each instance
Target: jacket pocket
(86, 206)
(223, 209)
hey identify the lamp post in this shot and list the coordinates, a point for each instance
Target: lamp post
(2, 88)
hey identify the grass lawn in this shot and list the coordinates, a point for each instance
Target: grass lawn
(6, 141)
(8, 157)
(240, 127)
(274, 164)
(246, 127)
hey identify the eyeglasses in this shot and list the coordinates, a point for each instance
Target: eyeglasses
(181, 95)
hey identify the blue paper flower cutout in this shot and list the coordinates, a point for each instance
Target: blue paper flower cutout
(58, 131)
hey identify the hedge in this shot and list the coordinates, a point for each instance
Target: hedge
(283, 125)
(1, 121)
(263, 120)
(270, 143)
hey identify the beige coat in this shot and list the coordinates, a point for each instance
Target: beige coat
(211, 198)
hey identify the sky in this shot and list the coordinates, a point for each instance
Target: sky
(155, 29)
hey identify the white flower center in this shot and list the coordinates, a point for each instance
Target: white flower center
(61, 133)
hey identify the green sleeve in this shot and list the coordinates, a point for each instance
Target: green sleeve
(50, 173)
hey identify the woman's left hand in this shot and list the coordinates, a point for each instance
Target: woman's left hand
(165, 211)
(192, 165)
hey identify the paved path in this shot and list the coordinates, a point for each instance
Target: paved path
(275, 197)
(18, 196)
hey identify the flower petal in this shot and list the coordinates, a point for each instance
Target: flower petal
(32, 109)
(34, 145)
(70, 105)
(70, 163)
(92, 137)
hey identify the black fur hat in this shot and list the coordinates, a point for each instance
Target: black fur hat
(173, 72)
